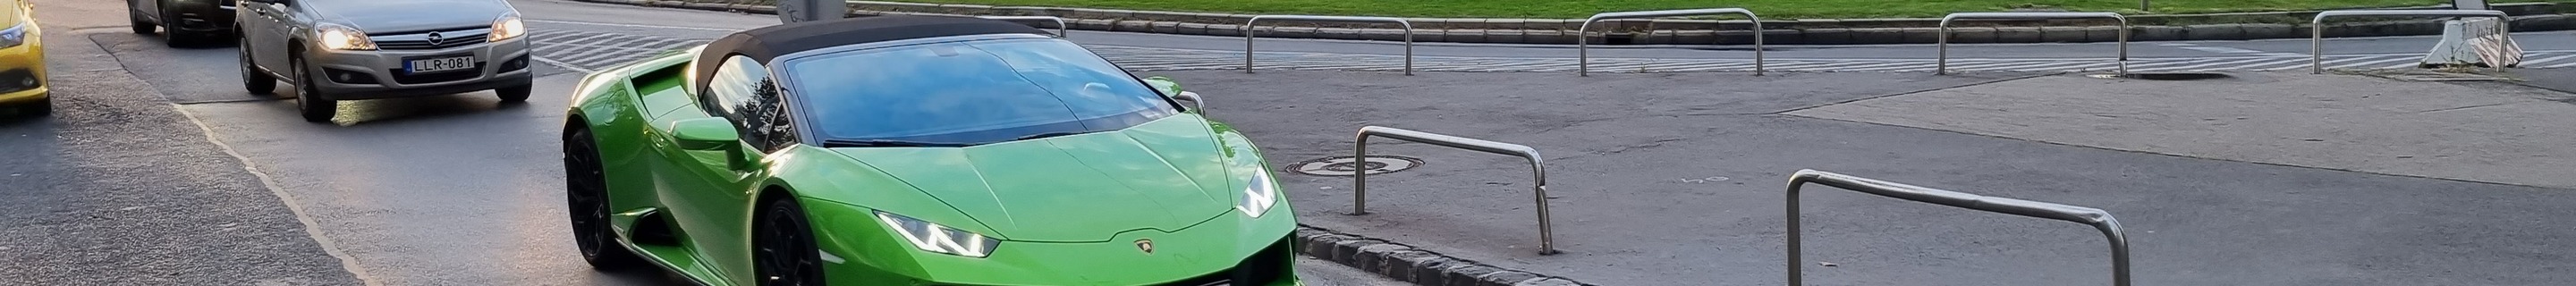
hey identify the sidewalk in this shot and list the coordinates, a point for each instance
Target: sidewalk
(1676, 179)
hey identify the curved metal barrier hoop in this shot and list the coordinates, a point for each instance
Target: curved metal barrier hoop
(1060, 27)
(2317, 28)
(2097, 218)
(1408, 33)
(1538, 170)
(1583, 35)
(1943, 62)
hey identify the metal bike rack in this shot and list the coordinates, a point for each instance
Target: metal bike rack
(1408, 33)
(2097, 218)
(1538, 170)
(1060, 27)
(1943, 65)
(1583, 35)
(2317, 40)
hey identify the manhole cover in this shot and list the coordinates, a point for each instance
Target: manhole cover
(1348, 166)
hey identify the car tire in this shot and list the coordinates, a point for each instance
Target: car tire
(174, 37)
(783, 251)
(140, 25)
(309, 99)
(170, 33)
(586, 196)
(253, 80)
(516, 93)
(41, 107)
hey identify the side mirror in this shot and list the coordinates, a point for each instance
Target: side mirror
(713, 134)
(1191, 99)
(1164, 85)
(705, 134)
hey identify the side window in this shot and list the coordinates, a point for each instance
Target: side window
(743, 92)
(765, 116)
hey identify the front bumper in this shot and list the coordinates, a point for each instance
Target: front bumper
(379, 73)
(22, 71)
(212, 16)
(1224, 251)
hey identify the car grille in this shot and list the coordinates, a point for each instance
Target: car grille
(438, 77)
(421, 40)
(1260, 269)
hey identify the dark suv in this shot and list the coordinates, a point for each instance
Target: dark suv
(183, 22)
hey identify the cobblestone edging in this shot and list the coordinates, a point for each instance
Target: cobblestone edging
(2222, 26)
(1408, 264)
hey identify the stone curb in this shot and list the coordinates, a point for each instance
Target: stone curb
(1408, 264)
(2247, 26)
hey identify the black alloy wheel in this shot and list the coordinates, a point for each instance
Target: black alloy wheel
(783, 246)
(586, 195)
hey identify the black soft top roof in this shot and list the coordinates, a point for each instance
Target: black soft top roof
(767, 43)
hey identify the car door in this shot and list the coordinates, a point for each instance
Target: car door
(709, 195)
(263, 27)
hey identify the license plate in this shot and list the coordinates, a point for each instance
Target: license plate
(438, 64)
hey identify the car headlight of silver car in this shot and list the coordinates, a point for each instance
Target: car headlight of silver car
(1258, 196)
(937, 238)
(508, 27)
(344, 38)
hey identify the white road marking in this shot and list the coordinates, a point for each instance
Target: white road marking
(564, 65)
(630, 25)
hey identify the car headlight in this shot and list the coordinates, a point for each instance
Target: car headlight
(14, 36)
(940, 239)
(344, 38)
(1258, 196)
(508, 27)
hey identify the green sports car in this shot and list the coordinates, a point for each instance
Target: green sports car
(905, 150)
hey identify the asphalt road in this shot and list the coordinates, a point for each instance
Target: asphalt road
(1676, 179)
(159, 170)
(441, 190)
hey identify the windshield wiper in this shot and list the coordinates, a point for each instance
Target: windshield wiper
(835, 143)
(1051, 134)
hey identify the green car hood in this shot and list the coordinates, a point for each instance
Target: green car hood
(1165, 175)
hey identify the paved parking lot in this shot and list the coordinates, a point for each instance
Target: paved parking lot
(1676, 179)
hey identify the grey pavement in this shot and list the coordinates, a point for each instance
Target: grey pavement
(1675, 179)
(119, 188)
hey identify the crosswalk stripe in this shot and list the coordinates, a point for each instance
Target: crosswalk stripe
(2218, 63)
(2367, 63)
(2546, 60)
(637, 47)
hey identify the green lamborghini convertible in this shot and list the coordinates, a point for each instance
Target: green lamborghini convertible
(901, 150)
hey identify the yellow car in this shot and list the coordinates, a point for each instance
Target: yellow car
(22, 60)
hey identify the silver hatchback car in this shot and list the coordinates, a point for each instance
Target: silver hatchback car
(334, 50)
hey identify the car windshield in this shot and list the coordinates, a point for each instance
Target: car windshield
(969, 93)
